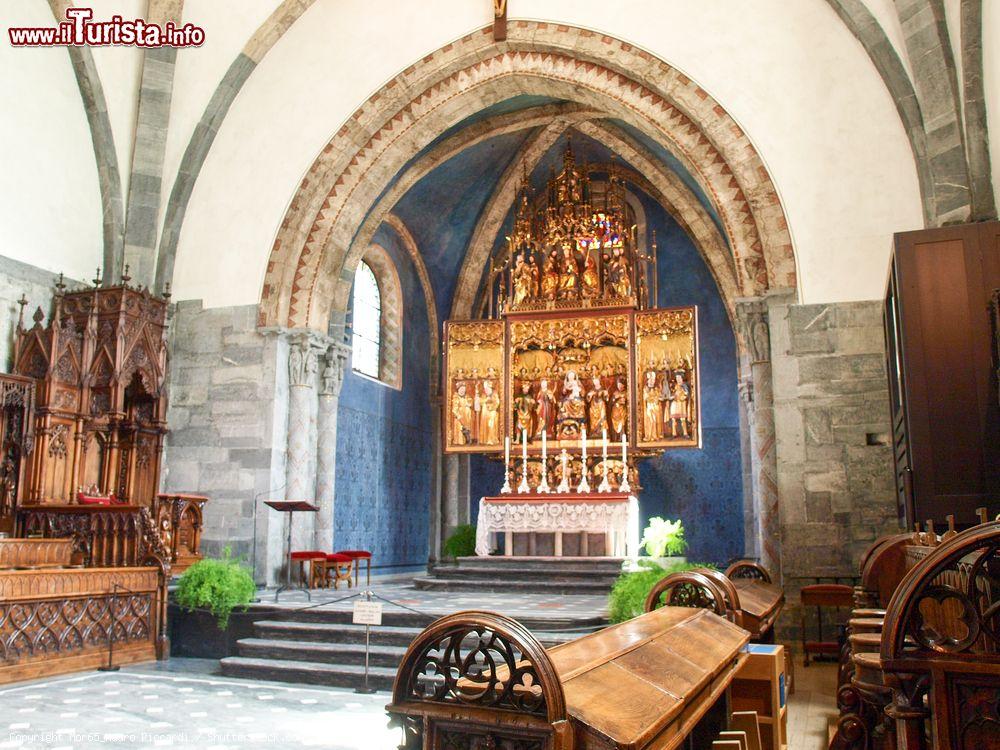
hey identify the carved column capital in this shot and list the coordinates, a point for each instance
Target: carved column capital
(334, 368)
(754, 328)
(302, 362)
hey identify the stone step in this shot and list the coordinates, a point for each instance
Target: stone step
(561, 575)
(321, 653)
(501, 586)
(403, 618)
(325, 632)
(307, 672)
(546, 564)
(395, 636)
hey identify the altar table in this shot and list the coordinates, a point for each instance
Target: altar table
(614, 514)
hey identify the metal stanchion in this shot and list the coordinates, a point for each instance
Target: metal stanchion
(111, 666)
(367, 595)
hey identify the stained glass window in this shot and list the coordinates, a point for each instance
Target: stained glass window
(367, 322)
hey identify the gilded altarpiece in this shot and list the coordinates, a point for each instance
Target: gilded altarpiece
(474, 397)
(666, 376)
(569, 378)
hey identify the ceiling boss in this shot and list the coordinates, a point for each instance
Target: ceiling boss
(575, 365)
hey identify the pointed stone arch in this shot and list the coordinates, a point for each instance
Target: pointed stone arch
(307, 276)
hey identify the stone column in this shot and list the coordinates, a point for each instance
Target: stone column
(758, 394)
(331, 381)
(299, 484)
(435, 536)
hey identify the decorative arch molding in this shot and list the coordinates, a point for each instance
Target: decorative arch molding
(534, 117)
(390, 352)
(304, 278)
(402, 231)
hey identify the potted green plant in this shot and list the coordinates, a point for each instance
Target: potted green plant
(628, 595)
(461, 543)
(664, 541)
(208, 613)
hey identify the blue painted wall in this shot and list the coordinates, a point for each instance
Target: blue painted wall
(704, 488)
(384, 439)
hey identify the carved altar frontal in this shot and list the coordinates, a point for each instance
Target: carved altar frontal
(616, 515)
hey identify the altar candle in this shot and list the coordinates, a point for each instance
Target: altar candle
(625, 452)
(604, 446)
(506, 452)
(583, 447)
(544, 449)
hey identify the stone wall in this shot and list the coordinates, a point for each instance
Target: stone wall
(832, 424)
(18, 278)
(227, 418)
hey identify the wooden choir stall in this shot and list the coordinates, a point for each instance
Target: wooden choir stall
(921, 666)
(89, 545)
(482, 680)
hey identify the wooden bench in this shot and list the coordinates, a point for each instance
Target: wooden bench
(480, 679)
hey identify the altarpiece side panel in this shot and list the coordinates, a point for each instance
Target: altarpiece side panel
(475, 402)
(666, 375)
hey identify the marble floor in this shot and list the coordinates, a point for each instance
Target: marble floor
(183, 703)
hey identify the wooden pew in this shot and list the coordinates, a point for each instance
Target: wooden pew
(480, 679)
(940, 645)
(57, 616)
(106, 535)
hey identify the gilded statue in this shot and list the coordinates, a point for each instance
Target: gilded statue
(590, 279)
(524, 280)
(652, 410)
(619, 410)
(488, 406)
(569, 275)
(524, 411)
(619, 276)
(679, 405)
(572, 409)
(545, 409)
(597, 408)
(550, 277)
(461, 416)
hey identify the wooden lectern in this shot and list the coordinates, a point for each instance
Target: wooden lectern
(290, 507)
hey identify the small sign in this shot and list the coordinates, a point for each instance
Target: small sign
(367, 613)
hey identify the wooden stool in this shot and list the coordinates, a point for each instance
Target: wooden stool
(357, 555)
(312, 557)
(339, 565)
(822, 595)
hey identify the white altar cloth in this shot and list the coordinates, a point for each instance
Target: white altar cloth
(613, 514)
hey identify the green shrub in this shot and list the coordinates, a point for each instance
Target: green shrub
(629, 593)
(663, 537)
(462, 543)
(217, 585)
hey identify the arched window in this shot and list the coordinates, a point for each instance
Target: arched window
(367, 323)
(376, 323)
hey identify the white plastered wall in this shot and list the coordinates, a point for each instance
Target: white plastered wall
(50, 212)
(790, 73)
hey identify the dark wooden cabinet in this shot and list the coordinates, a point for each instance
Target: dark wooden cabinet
(941, 345)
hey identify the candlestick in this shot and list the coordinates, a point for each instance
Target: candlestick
(506, 489)
(523, 486)
(584, 485)
(625, 486)
(543, 486)
(564, 484)
(604, 486)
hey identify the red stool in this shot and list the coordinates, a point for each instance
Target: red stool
(312, 557)
(339, 565)
(357, 555)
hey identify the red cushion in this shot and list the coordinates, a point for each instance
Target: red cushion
(308, 555)
(338, 557)
(355, 553)
(88, 500)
